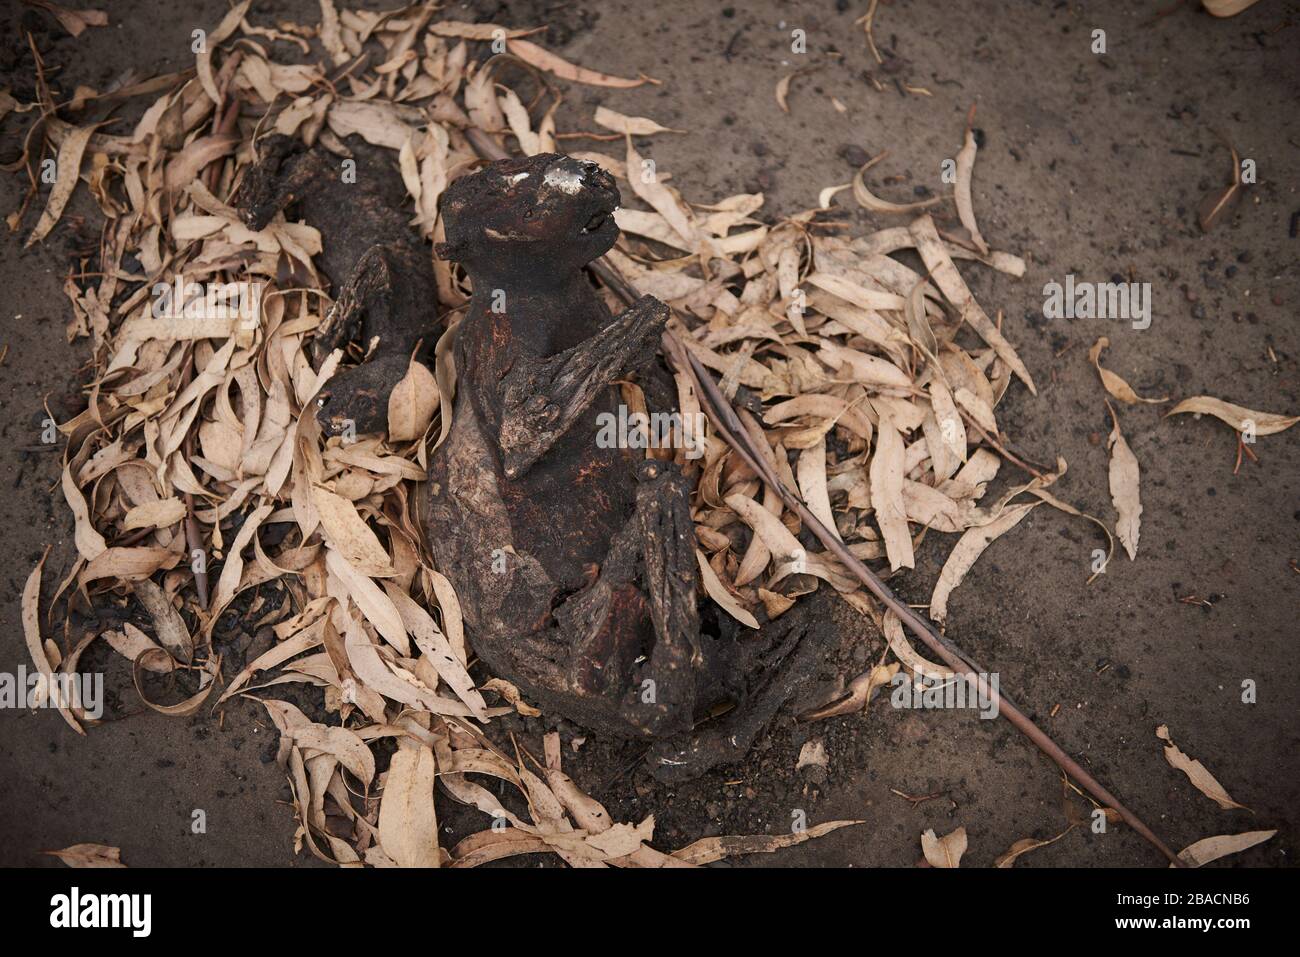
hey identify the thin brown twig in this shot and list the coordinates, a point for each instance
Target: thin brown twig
(1001, 449)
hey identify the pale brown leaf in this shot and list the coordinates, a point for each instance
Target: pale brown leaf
(1196, 772)
(946, 851)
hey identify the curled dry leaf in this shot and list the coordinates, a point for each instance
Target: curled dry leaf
(156, 659)
(783, 92)
(860, 692)
(873, 203)
(67, 169)
(1239, 417)
(946, 851)
(1024, 846)
(719, 592)
(1113, 384)
(508, 691)
(961, 194)
(32, 635)
(1071, 510)
(1196, 772)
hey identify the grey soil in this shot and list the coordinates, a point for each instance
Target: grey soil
(1091, 165)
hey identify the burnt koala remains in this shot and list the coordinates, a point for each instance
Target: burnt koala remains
(575, 561)
(384, 292)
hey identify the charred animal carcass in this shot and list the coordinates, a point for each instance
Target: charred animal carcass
(574, 560)
(385, 296)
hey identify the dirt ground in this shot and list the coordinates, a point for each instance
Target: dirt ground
(1091, 165)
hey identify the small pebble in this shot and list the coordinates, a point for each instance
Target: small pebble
(855, 156)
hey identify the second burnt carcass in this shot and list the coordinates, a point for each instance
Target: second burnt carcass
(575, 562)
(385, 296)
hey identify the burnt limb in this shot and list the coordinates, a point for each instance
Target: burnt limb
(355, 400)
(641, 645)
(378, 267)
(541, 399)
(761, 673)
(667, 539)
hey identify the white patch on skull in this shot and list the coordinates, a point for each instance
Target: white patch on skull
(564, 180)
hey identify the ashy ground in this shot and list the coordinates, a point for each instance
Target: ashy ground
(1091, 165)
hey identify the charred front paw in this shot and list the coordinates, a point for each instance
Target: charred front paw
(355, 401)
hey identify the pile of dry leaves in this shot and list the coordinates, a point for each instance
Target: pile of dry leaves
(198, 448)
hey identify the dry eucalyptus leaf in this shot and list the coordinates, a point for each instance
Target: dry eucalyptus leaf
(634, 125)
(1212, 848)
(873, 203)
(412, 403)
(32, 634)
(966, 552)
(1239, 417)
(861, 691)
(163, 513)
(168, 624)
(408, 824)
(67, 169)
(1124, 489)
(886, 475)
(89, 855)
(710, 849)
(1024, 846)
(345, 530)
(1196, 772)
(1113, 384)
(944, 851)
(961, 195)
(714, 588)
(508, 691)
(544, 59)
(1227, 8)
